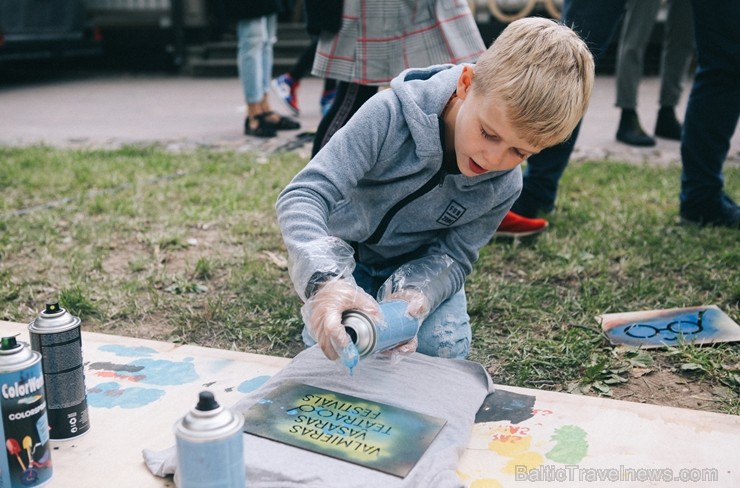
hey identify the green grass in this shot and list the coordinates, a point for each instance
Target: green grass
(186, 248)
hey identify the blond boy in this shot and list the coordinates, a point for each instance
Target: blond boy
(400, 201)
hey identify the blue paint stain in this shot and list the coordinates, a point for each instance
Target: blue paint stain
(127, 351)
(110, 394)
(253, 384)
(163, 372)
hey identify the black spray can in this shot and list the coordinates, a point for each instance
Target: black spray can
(57, 335)
(210, 446)
(397, 328)
(23, 423)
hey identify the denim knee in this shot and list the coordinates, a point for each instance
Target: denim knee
(445, 338)
(446, 333)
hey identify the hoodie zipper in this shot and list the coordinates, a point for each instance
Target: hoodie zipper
(436, 180)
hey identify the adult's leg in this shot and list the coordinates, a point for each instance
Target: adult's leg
(302, 66)
(638, 23)
(267, 57)
(349, 99)
(596, 22)
(711, 115)
(678, 46)
(253, 35)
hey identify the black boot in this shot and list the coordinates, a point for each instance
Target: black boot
(630, 131)
(667, 125)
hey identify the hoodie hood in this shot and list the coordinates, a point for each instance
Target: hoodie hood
(423, 93)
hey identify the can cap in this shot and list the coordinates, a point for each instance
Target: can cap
(208, 420)
(14, 353)
(9, 343)
(53, 319)
(206, 402)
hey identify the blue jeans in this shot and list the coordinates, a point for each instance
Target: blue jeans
(445, 333)
(713, 108)
(254, 56)
(596, 21)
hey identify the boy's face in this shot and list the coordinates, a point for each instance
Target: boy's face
(484, 139)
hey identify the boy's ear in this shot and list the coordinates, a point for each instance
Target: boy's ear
(465, 81)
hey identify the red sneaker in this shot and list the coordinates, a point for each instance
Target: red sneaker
(514, 225)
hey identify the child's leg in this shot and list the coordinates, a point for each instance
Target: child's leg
(446, 332)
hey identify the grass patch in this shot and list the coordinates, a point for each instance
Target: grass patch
(185, 247)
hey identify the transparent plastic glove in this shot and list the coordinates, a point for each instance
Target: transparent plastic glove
(317, 261)
(422, 283)
(418, 308)
(322, 314)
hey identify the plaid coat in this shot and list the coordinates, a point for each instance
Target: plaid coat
(380, 38)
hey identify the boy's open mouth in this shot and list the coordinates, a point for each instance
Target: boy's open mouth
(475, 168)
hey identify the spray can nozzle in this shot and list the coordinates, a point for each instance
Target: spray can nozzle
(8, 343)
(52, 308)
(206, 402)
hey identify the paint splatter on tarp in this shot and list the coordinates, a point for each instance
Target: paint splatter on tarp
(505, 405)
(570, 445)
(110, 395)
(127, 351)
(150, 371)
(252, 384)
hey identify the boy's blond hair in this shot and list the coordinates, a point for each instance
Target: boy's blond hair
(543, 73)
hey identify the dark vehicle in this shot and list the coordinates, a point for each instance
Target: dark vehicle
(157, 29)
(46, 29)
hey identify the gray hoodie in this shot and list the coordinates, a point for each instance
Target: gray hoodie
(381, 185)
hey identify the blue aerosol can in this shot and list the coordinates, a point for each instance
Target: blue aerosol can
(397, 327)
(210, 446)
(23, 421)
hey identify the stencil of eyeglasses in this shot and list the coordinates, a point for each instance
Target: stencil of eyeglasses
(671, 332)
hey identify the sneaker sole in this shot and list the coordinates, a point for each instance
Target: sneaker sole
(520, 234)
(276, 91)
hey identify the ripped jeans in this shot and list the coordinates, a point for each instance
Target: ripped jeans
(445, 333)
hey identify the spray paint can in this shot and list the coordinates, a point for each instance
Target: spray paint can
(24, 425)
(210, 446)
(398, 327)
(56, 334)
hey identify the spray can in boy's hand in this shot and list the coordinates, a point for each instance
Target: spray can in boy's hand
(57, 335)
(396, 328)
(210, 446)
(23, 420)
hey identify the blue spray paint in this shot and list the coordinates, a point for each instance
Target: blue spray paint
(110, 395)
(252, 384)
(127, 351)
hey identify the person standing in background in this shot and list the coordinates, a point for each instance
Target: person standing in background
(256, 30)
(378, 39)
(711, 117)
(321, 16)
(677, 51)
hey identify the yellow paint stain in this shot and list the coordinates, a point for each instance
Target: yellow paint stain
(530, 460)
(510, 446)
(485, 483)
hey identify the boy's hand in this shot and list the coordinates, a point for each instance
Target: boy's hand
(418, 304)
(322, 315)
(418, 307)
